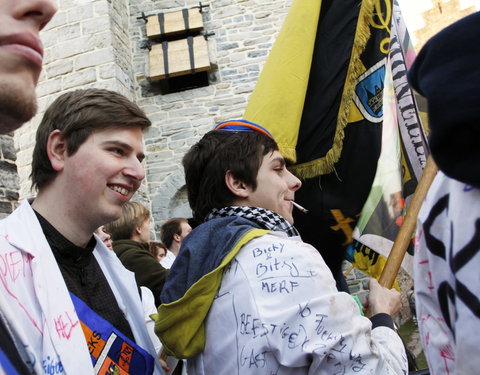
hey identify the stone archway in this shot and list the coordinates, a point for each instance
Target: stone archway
(170, 200)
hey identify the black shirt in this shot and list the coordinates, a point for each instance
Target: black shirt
(84, 277)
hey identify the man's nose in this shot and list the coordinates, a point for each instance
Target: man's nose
(40, 11)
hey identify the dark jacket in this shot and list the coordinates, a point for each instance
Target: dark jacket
(136, 257)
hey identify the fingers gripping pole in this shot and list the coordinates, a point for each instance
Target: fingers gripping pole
(404, 236)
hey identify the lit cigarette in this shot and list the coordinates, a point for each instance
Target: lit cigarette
(304, 210)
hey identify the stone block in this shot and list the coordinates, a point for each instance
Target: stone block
(7, 148)
(8, 175)
(6, 208)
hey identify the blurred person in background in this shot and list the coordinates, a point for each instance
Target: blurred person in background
(172, 233)
(131, 242)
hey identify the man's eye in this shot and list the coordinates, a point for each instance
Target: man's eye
(118, 151)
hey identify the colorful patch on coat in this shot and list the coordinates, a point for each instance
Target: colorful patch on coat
(112, 353)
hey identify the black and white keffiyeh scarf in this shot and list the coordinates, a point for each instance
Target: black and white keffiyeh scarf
(265, 218)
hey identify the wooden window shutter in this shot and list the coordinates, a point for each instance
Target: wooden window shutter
(177, 46)
(179, 57)
(174, 23)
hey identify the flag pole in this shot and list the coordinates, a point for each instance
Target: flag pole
(404, 236)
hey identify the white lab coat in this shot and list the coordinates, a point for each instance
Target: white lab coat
(37, 304)
(278, 311)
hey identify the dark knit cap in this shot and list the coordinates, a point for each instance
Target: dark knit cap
(447, 73)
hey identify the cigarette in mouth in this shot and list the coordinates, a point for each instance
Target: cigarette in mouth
(304, 210)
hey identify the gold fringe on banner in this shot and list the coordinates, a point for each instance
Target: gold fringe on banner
(326, 163)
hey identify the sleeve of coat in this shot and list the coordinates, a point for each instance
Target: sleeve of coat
(446, 263)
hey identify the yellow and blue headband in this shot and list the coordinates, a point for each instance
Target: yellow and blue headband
(241, 126)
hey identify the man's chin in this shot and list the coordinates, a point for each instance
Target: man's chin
(16, 107)
(9, 124)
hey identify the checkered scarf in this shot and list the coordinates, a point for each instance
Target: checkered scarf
(265, 218)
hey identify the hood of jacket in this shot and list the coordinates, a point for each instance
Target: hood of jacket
(123, 246)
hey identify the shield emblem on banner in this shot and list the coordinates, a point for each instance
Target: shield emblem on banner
(369, 92)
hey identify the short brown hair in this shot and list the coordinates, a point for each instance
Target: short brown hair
(170, 228)
(78, 114)
(133, 215)
(207, 162)
(155, 246)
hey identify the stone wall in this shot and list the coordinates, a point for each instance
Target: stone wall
(9, 185)
(442, 14)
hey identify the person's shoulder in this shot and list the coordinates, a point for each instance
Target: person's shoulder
(218, 229)
(125, 248)
(24, 209)
(21, 227)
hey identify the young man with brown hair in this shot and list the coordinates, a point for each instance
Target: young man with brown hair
(246, 295)
(68, 299)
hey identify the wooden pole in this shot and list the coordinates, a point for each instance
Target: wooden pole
(404, 236)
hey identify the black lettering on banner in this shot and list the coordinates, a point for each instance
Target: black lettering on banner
(444, 294)
(434, 245)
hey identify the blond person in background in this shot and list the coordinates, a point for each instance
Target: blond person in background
(131, 236)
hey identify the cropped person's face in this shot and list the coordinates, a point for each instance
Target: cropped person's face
(276, 186)
(161, 253)
(185, 229)
(21, 58)
(105, 237)
(145, 234)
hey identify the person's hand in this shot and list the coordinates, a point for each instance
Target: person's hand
(164, 365)
(382, 300)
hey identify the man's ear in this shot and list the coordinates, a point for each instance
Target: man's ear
(56, 149)
(177, 238)
(236, 186)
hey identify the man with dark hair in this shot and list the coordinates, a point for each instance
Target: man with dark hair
(245, 294)
(172, 233)
(67, 298)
